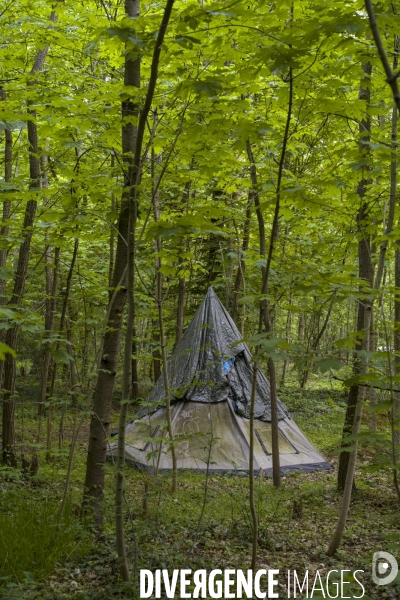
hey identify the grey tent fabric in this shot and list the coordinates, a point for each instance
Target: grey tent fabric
(214, 434)
(210, 375)
(212, 364)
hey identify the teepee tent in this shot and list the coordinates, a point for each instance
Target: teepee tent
(210, 375)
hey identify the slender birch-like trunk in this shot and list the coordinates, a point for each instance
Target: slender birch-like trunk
(265, 319)
(239, 279)
(365, 346)
(8, 155)
(10, 372)
(365, 272)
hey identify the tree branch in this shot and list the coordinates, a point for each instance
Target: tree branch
(391, 77)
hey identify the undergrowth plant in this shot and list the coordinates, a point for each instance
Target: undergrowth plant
(33, 539)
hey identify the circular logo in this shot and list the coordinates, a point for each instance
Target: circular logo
(384, 568)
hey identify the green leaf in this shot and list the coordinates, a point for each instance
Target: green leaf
(61, 356)
(8, 187)
(4, 349)
(328, 363)
(190, 225)
(186, 41)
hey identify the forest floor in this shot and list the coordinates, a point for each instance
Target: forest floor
(39, 559)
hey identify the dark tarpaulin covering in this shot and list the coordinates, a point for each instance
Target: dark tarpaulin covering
(212, 364)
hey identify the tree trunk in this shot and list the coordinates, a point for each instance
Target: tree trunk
(50, 302)
(73, 384)
(365, 272)
(180, 311)
(372, 394)
(229, 270)
(301, 327)
(51, 280)
(351, 464)
(12, 336)
(48, 326)
(8, 150)
(134, 358)
(314, 340)
(264, 318)
(265, 315)
(396, 404)
(288, 339)
(393, 190)
(254, 516)
(132, 216)
(134, 352)
(239, 280)
(159, 301)
(156, 351)
(363, 369)
(100, 421)
(64, 311)
(112, 240)
(21, 271)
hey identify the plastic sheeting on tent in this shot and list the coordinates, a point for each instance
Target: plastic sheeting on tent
(210, 377)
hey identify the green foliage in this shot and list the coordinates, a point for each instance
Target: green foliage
(222, 85)
(33, 540)
(4, 349)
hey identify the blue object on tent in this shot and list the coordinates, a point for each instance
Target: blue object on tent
(227, 364)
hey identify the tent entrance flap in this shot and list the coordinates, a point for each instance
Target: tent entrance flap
(263, 435)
